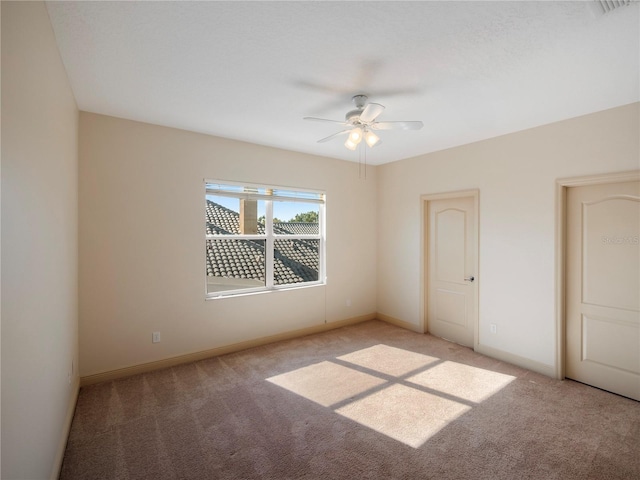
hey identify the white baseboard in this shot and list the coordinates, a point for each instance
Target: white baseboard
(523, 362)
(548, 370)
(399, 323)
(214, 352)
(544, 369)
(66, 428)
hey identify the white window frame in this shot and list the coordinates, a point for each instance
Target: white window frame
(274, 193)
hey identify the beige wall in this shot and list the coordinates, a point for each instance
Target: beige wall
(141, 258)
(142, 243)
(141, 238)
(39, 245)
(516, 176)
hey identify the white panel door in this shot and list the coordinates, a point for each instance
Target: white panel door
(603, 287)
(451, 285)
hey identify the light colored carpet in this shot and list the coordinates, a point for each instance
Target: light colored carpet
(366, 401)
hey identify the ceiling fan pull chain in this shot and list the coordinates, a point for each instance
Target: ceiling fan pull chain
(362, 169)
(365, 162)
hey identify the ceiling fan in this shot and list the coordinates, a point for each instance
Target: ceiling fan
(361, 123)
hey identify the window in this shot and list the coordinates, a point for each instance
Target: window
(262, 238)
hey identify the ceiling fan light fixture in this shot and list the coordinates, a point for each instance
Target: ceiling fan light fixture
(355, 135)
(350, 145)
(371, 138)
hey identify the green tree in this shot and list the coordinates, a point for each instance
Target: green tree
(262, 219)
(308, 217)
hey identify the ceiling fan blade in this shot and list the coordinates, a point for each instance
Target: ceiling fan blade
(330, 137)
(337, 122)
(397, 125)
(371, 112)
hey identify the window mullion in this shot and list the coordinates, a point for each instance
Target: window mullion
(269, 247)
(235, 237)
(322, 247)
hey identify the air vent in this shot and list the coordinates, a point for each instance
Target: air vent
(605, 6)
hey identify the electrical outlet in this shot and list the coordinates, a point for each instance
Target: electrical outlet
(155, 337)
(348, 302)
(493, 327)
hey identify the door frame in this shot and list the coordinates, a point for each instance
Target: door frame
(562, 185)
(424, 253)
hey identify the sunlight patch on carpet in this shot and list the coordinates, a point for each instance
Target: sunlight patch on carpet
(389, 360)
(326, 383)
(404, 414)
(404, 395)
(463, 381)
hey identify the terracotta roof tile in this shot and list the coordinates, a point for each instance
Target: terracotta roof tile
(295, 260)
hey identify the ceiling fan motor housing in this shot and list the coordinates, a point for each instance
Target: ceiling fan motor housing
(354, 115)
(360, 101)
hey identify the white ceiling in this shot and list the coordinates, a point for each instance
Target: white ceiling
(252, 70)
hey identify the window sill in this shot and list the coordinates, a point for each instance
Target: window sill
(263, 292)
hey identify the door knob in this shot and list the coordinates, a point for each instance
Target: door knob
(470, 279)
